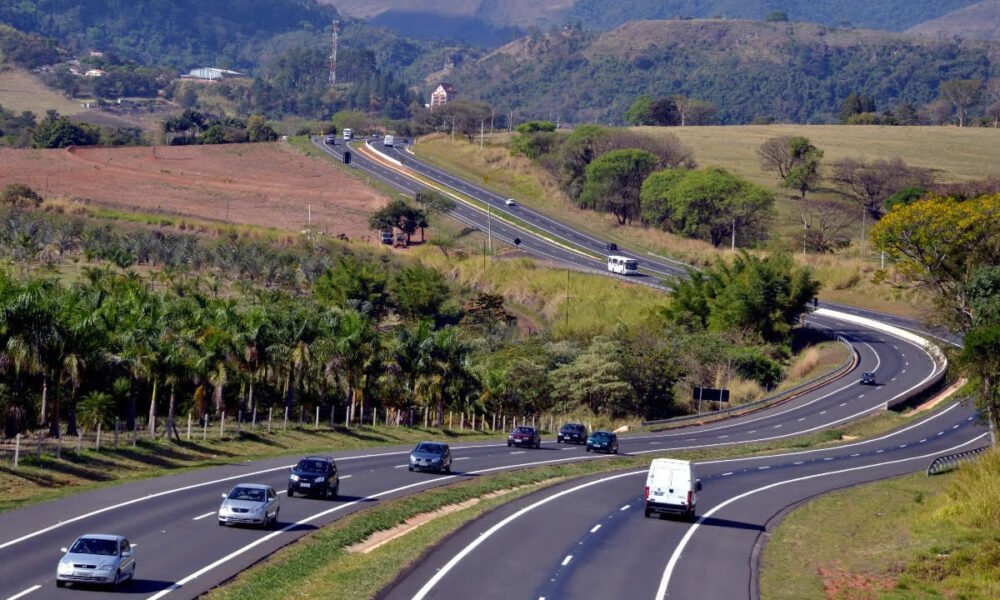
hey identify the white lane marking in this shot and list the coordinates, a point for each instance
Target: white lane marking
(843, 404)
(749, 432)
(799, 462)
(655, 442)
(208, 514)
(777, 426)
(828, 458)
(595, 528)
(860, 396)
(567, 449)
(518, 452)
(661, 592)
(763, 467)
(722, 437)
(376, 496)
(879, 451)
(954, 426)
(24, 593)
(348, 476)
(567, 559)
(400, 466)
(802, 419)
(461, 458)
(433, 581)
(940, 433)
(823, 413)
(856, 454)
(893, 379)
(727, 474)
(626, 507)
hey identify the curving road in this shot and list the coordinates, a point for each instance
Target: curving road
(181, 553)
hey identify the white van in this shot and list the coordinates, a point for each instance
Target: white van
(388, 141)
(623, 265)
(671, 488)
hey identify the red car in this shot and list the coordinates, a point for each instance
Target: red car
(524, 436)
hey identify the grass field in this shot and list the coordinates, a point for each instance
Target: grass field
(20, 91)
(909, 538)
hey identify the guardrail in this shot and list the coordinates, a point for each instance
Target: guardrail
(769, 401)
(948, 462)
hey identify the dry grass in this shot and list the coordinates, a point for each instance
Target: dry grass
(20, 91)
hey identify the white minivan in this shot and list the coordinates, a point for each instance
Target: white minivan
(671, 488)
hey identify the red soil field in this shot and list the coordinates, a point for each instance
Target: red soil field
(269, 185)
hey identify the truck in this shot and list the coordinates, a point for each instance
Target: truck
(387, 141)
(671, 488)
(385, 236)
(348, 134)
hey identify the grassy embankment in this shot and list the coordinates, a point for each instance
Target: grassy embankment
(21, 91)
(912, 537)
(323, 564)
(955, 154)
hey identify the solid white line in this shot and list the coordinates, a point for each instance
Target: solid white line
(661, 592)
(567, 559)
(208, 514)
(24, 593)
(433, 581)
(595, 528)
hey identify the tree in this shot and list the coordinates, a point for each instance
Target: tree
(870, 184)
(856, 104)
(398, 213)
(419, 292)
(962, 94)
(641, 111)
(934, 243)
(707, 204)
(693, 111)
(355, 284)
(259, 131)
(434, 202)
(597, 379)
(613, 182)
(56, 131)
(653, 197)
(664, 112)
(795, 159)
(19, 195)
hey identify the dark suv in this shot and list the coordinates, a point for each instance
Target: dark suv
(314, 475)
(868, 379)
(524, 436)
(572, 432)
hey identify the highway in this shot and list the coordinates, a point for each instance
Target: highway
(180, 552)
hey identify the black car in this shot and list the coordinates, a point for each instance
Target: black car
(572, 432)
(604, 441)
(524, 436)
(868, 379)
(314, 475)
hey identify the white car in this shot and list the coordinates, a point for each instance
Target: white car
(510, 202)
(249, 504)
(97, 558)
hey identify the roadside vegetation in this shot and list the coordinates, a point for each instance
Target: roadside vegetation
(912, 537)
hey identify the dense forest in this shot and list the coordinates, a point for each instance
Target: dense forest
(891, 15)
(787, 72)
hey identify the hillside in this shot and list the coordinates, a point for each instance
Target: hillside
(981, 21)
(787, 71)
(439, 18)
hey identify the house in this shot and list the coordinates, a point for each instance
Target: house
(441, 95)
(210, 74)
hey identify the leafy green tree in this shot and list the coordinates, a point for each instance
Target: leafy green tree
(597, 379)
(856, 104)
(419, 292)
(56, 131)
(706, 204)
(763, 295)
(795, 159)
(434, 202)
(981, 359)
(536, 127)
(20, 195)
(97, 407)
(641, 111)
(355, 284)
(613, 182)
(259, 131)
(655, 208)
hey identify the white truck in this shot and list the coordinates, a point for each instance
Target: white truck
(348, 134)
(671, 488)
(388, 141)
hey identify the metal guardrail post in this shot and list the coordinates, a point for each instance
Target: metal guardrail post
(943, 464)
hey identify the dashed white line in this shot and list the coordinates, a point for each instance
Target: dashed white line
(595, 528)
(722, 437)
(843, 404)
(567, 559)
(860, 396)
(566, 449)
(518, 452)
(879, 451)
(823, 413)
(893, 379)
(763, 468)
(342, 477)
(903, 445)
(799, 462)
(400, 466)
(24, 593)
(954, 426)
(754, 431)
(626, 507)
(461, 458)
(923, 440)
(802, 419)
(856, 454)
(654, 443)
(727, 474)
(208, 514)
(777, 426)
(940, 433)
(828, 458)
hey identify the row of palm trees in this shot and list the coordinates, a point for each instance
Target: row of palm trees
(231, 354)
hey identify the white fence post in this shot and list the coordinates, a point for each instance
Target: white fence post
(222, 424)
(189, 428)
(284, 426)
(317, 417)
(97, 442)
(17, 449)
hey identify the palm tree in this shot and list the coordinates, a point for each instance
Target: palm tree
(356, 346)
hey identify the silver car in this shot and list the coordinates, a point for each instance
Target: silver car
(249, 504)
(431, 456)
(97, 558)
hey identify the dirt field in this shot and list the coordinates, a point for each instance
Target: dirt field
(260, 184)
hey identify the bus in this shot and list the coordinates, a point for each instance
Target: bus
(348, 134)
(623, 265)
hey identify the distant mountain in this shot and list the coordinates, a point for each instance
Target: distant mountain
(482, 22)
(981, 21)
(786, 71)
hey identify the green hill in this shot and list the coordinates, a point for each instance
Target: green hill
(786, 71)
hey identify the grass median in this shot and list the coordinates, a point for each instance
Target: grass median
(907, 538)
